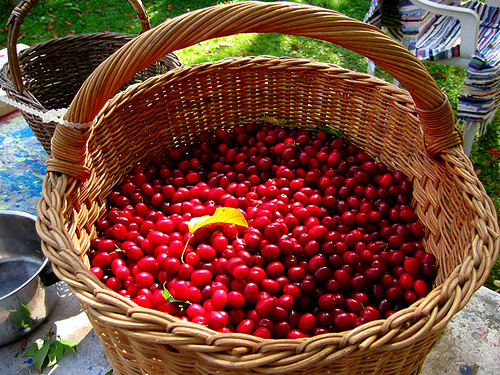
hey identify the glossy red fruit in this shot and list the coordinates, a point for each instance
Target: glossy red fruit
(266, 307)
(246, 326)
(343, 321)
(217, 320)
(219, 299)
(201, 277)
(420, 287)
(98, 272)
(122, 272)
(333, 242)
(102, 260)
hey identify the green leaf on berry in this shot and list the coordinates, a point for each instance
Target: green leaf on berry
(166, 294)
(331, 131)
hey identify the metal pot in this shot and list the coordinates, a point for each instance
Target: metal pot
(25, 275)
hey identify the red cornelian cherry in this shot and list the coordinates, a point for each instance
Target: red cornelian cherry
(332, 243)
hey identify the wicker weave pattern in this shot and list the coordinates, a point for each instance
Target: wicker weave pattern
(48, 75)
(148, 118)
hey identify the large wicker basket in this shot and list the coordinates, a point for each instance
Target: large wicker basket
(412, 132)
(47, 75)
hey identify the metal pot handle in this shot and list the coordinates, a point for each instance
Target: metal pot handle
(48, 276)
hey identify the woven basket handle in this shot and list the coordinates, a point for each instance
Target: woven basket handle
(286, 18)
(17, 18)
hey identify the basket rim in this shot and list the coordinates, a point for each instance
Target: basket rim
(7, 83)
(427, 316)
(257, 62)
(17, 18)
(285, 18)
(417, 311)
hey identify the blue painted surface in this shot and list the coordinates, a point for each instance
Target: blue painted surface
(22, 170)
(22, 165)
(466, 370)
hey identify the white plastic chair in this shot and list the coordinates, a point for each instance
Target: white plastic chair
(465, 34)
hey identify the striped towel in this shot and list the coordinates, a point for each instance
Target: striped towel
(423, 34)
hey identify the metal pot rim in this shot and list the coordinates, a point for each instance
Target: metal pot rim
(45, 259)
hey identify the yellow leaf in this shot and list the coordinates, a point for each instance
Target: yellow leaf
(222, 215)
(274, 121)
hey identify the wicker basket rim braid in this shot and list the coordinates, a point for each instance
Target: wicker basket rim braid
(16, 19)
(430, 101)
(66, 223)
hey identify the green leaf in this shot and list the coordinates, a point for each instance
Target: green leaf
(22, 317)
(41, 355)
(59, 349)
(166, 294)
(26, 308)
(32, 350)
(187, 302)
(331, 131)
(52, 355)
(55, 353)
(69, 345)
(47, 352)
(110, 372)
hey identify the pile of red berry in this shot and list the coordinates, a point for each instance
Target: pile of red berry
(332, 240)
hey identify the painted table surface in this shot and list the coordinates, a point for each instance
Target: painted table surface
(470, 343)
(22, 165)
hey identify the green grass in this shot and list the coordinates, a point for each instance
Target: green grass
(58, 18)
(486, 158)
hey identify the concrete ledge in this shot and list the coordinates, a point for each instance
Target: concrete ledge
(470, 343)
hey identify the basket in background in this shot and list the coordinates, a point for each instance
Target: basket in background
(412, 131)
(47, 75)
